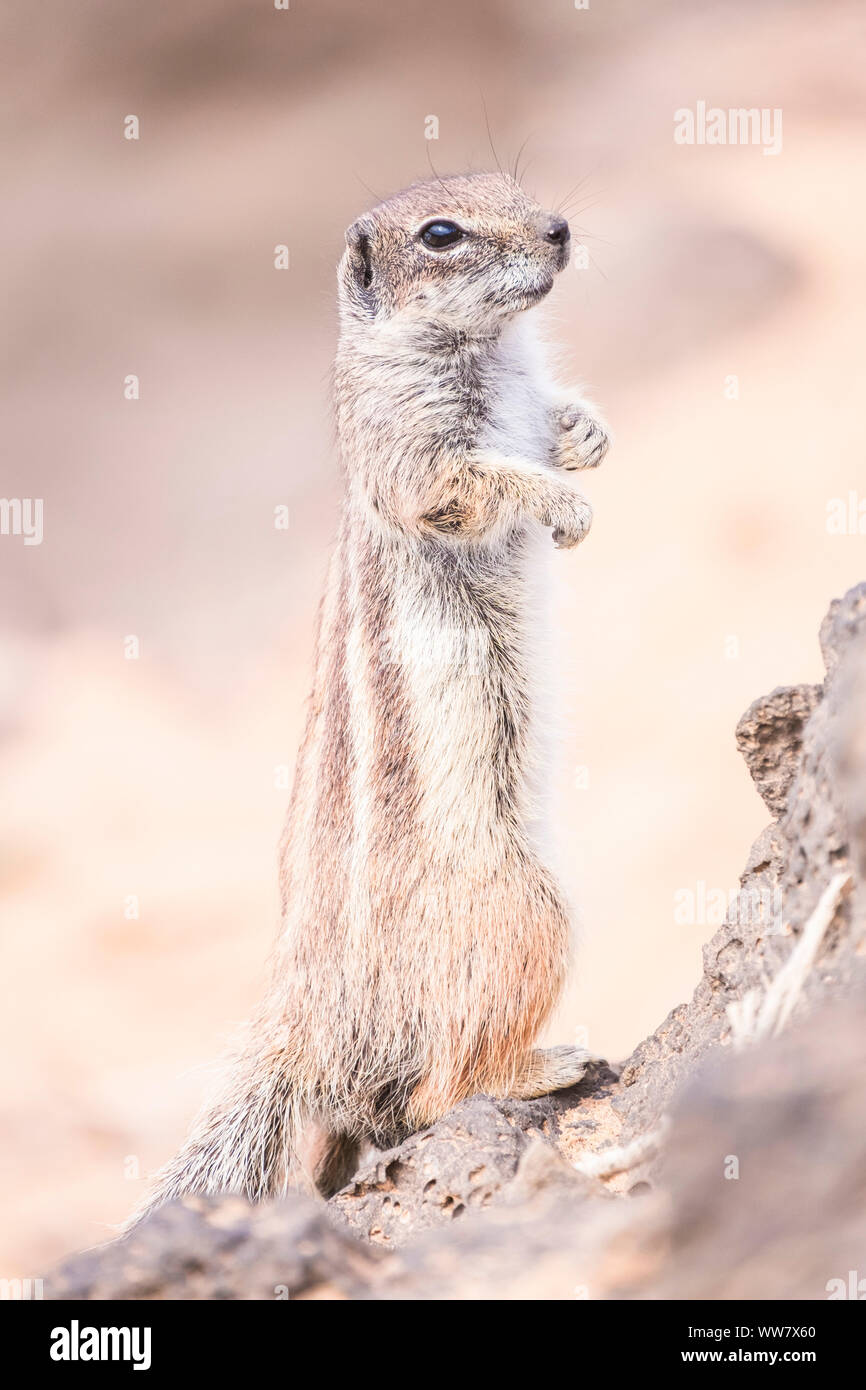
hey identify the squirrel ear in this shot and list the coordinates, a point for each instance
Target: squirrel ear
(359, 261)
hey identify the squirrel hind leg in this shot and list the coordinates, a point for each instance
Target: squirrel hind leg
(327, 1160)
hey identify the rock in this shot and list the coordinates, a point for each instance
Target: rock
(487, 1203)
(222, 1247)
(850, 754)
(788, 1118)
(465, 1162)
(762, 1194)
(842, 626)
(770, 737)
(789, 866)
(435, 1176)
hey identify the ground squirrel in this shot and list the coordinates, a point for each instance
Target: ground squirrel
(423, 941)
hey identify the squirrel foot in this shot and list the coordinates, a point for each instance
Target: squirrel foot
(553, 1069)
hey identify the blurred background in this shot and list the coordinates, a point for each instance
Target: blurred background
(718, 322)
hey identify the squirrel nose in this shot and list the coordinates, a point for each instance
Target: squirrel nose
(557, 232)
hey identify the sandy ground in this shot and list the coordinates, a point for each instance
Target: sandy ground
(161, 779)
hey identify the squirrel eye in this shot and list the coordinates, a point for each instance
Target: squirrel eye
(441, 233)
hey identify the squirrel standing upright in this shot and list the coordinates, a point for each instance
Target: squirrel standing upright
(423, 941)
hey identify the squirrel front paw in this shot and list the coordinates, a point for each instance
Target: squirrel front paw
(570, 519)
(583, 440)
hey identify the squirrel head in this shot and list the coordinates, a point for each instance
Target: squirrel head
(465, 252)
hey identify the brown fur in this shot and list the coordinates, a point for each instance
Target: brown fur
(424, 941)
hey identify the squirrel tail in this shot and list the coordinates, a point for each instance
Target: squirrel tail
(248, 1141)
